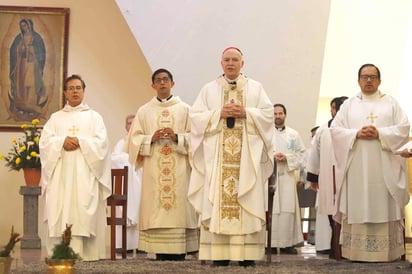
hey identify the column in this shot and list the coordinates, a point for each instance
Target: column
(31, 239)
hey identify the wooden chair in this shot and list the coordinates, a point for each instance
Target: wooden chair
(118, 199)
(307, 199)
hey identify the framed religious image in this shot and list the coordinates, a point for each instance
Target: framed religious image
(33, 63)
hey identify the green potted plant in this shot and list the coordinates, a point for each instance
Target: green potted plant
(24, 153)
(63, 256)
(5, 258)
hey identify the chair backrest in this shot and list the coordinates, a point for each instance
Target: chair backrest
(120, 181)
(118, 200)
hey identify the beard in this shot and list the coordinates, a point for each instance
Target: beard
(279, 122)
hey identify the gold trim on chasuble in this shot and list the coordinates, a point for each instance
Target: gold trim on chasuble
(230, 209)
(166, 165)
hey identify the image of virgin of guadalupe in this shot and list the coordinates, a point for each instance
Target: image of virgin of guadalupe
(27, 59)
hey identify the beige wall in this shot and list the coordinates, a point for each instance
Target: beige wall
(103, 50)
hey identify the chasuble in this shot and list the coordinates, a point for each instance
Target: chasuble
(372, 189)
(230, 169)
(75, 184)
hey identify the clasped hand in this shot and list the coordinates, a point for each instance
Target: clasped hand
(164, 133)
(368, 133)
(233, 110)
(71, 143)
(280, 157)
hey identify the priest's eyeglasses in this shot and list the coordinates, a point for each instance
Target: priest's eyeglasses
(164, 79)
(366, 77)
(72, 88)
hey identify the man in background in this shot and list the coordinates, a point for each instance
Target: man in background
(288, 151)
(319, 167)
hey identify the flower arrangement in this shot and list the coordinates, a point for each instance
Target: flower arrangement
(14, 238)
(24, 152)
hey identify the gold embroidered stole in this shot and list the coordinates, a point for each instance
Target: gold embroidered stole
(230, 210)
(166, 163)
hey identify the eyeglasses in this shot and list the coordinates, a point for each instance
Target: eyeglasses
(72, 88)
(164, 79)
(366, 77)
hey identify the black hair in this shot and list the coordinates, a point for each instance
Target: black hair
(338, 102)
(314, 129)
(282, 106)
(369, 65)
(160, 71)
(73, 77)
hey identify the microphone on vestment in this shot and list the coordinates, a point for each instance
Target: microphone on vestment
(230, 121)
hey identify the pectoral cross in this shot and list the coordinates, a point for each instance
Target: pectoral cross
(74, 130)
(371, 117)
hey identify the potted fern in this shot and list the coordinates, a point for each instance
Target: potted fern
(5, 258)
(63, 256)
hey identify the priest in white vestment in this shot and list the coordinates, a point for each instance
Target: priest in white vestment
(288, 150)
(119, 160)
(231, 130)
(372, 189)
(74, 151)
(158, 142)
(319, 167)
